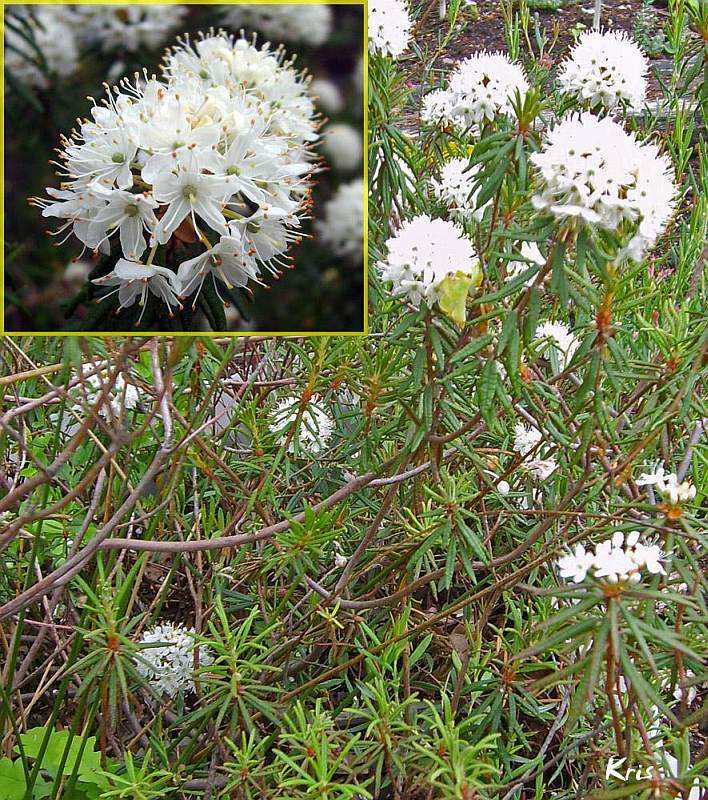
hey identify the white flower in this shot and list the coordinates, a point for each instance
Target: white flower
(309, 24)
(526, 437)
(484, 86)
(438, 108)
(130, 214)
(315, 426)
(557, 337)
(219, 148)
(593, 170)
(530, 252)
(575, 565)
(389, 27)
(655, 478)
(456, 189)
(343, 147)
(126, 27)
(190, 192)
(619, 559)
(121, 394)
(422, 253)
(541, 468)
(267, 234)
(648, 556)
(326, 93)
(135, 280)
(54, 38)
(668, 485)
(169, 665)
(605, 69)
(613, 563)
(226, 261)
(677, 492)
(690, 692)
(342, 229)
(340, 560)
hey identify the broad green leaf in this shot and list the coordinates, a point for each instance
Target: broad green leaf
(12, 779)
(89, 761)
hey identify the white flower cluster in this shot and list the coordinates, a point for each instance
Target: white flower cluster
(309, 24)
(126, 27)
(456, 189)
(389, 27)
(422, 253)
(480, 88)
(438, 108)
(121, 394)
(54, 38)
(343, 147)
(326, 95)
(557, 337)
(315, 427)
(593, 170)
(526, 438)
(166, 659)
(668, 485)
(617, 559)
(605, 69)
(342, 228)
(220, 146)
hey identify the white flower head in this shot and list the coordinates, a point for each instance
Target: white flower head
(456, 189)
(121, 394)
(166, 659)
(343, 147)
(526, 439)
(126, 27)
(306, 24)
(605, 69)
(618, 559)
(557, 337)
(484, 86)
(326, 94)
(438, 108)
(668, 485)
(220, 148)
(422, 253)
(592, 170)
(342, 228)
(54, 37)
(314, 429)
(389, 27)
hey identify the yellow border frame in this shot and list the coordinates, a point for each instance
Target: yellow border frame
(211, 334)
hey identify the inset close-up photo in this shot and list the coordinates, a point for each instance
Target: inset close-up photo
(184, 168)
